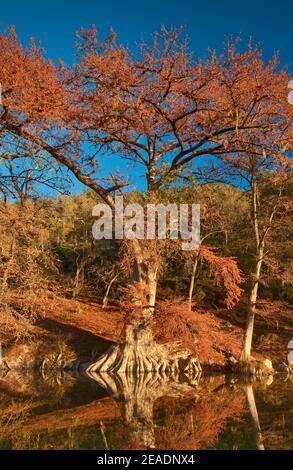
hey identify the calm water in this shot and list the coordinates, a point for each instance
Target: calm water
(69, 412)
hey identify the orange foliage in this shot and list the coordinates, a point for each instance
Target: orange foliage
(226, 272)
(30, 83)
(202, 333)
(159, 108)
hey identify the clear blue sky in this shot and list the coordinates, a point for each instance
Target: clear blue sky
(208, 23)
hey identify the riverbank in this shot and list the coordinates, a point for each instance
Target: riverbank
(69, 332)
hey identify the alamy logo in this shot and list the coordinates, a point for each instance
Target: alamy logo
(156, 221)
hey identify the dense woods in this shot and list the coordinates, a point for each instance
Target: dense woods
(215, 132)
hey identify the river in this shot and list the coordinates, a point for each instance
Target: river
(77, 412)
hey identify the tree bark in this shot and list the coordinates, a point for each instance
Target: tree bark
(140, 353)
(260, 238)
(106, 296)
(192, 281)
(9, 263)
(248, 335)
(249, 327)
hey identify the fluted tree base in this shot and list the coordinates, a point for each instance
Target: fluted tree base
(141, 354)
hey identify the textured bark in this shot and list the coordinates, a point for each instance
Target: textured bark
(248, 334)
(246, 353)
(106, 296)
(9, 264)
(260, 232)
(140, 354)
(191, 286)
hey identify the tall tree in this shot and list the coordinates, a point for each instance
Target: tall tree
(160, 110)
(265, 170)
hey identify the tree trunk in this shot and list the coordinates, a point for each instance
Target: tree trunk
(9, 264)
(141, 353)
(260, 238)
(106, 296)
(192, 281)
(248, 334)
(246, 352)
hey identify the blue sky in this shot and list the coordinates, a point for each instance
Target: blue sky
(208, 22)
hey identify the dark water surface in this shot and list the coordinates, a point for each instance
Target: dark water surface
(67, 412)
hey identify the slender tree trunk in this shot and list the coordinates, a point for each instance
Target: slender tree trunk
(79, 279)
(246, 352)
(260, 237)
(77, 274)
(191, 285)
(9, 264)
(248, 335)
(106, 296)
(152, 289)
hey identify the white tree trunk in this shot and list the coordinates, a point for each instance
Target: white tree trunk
(248, 336)
(191, 285)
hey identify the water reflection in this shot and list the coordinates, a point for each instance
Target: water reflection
(139, 395)
(248, 389)
(153, 411)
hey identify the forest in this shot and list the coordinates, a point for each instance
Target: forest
(215, 132)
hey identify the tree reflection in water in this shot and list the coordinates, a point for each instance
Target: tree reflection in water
(168, 412)
(140, 412)
(248, 389)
